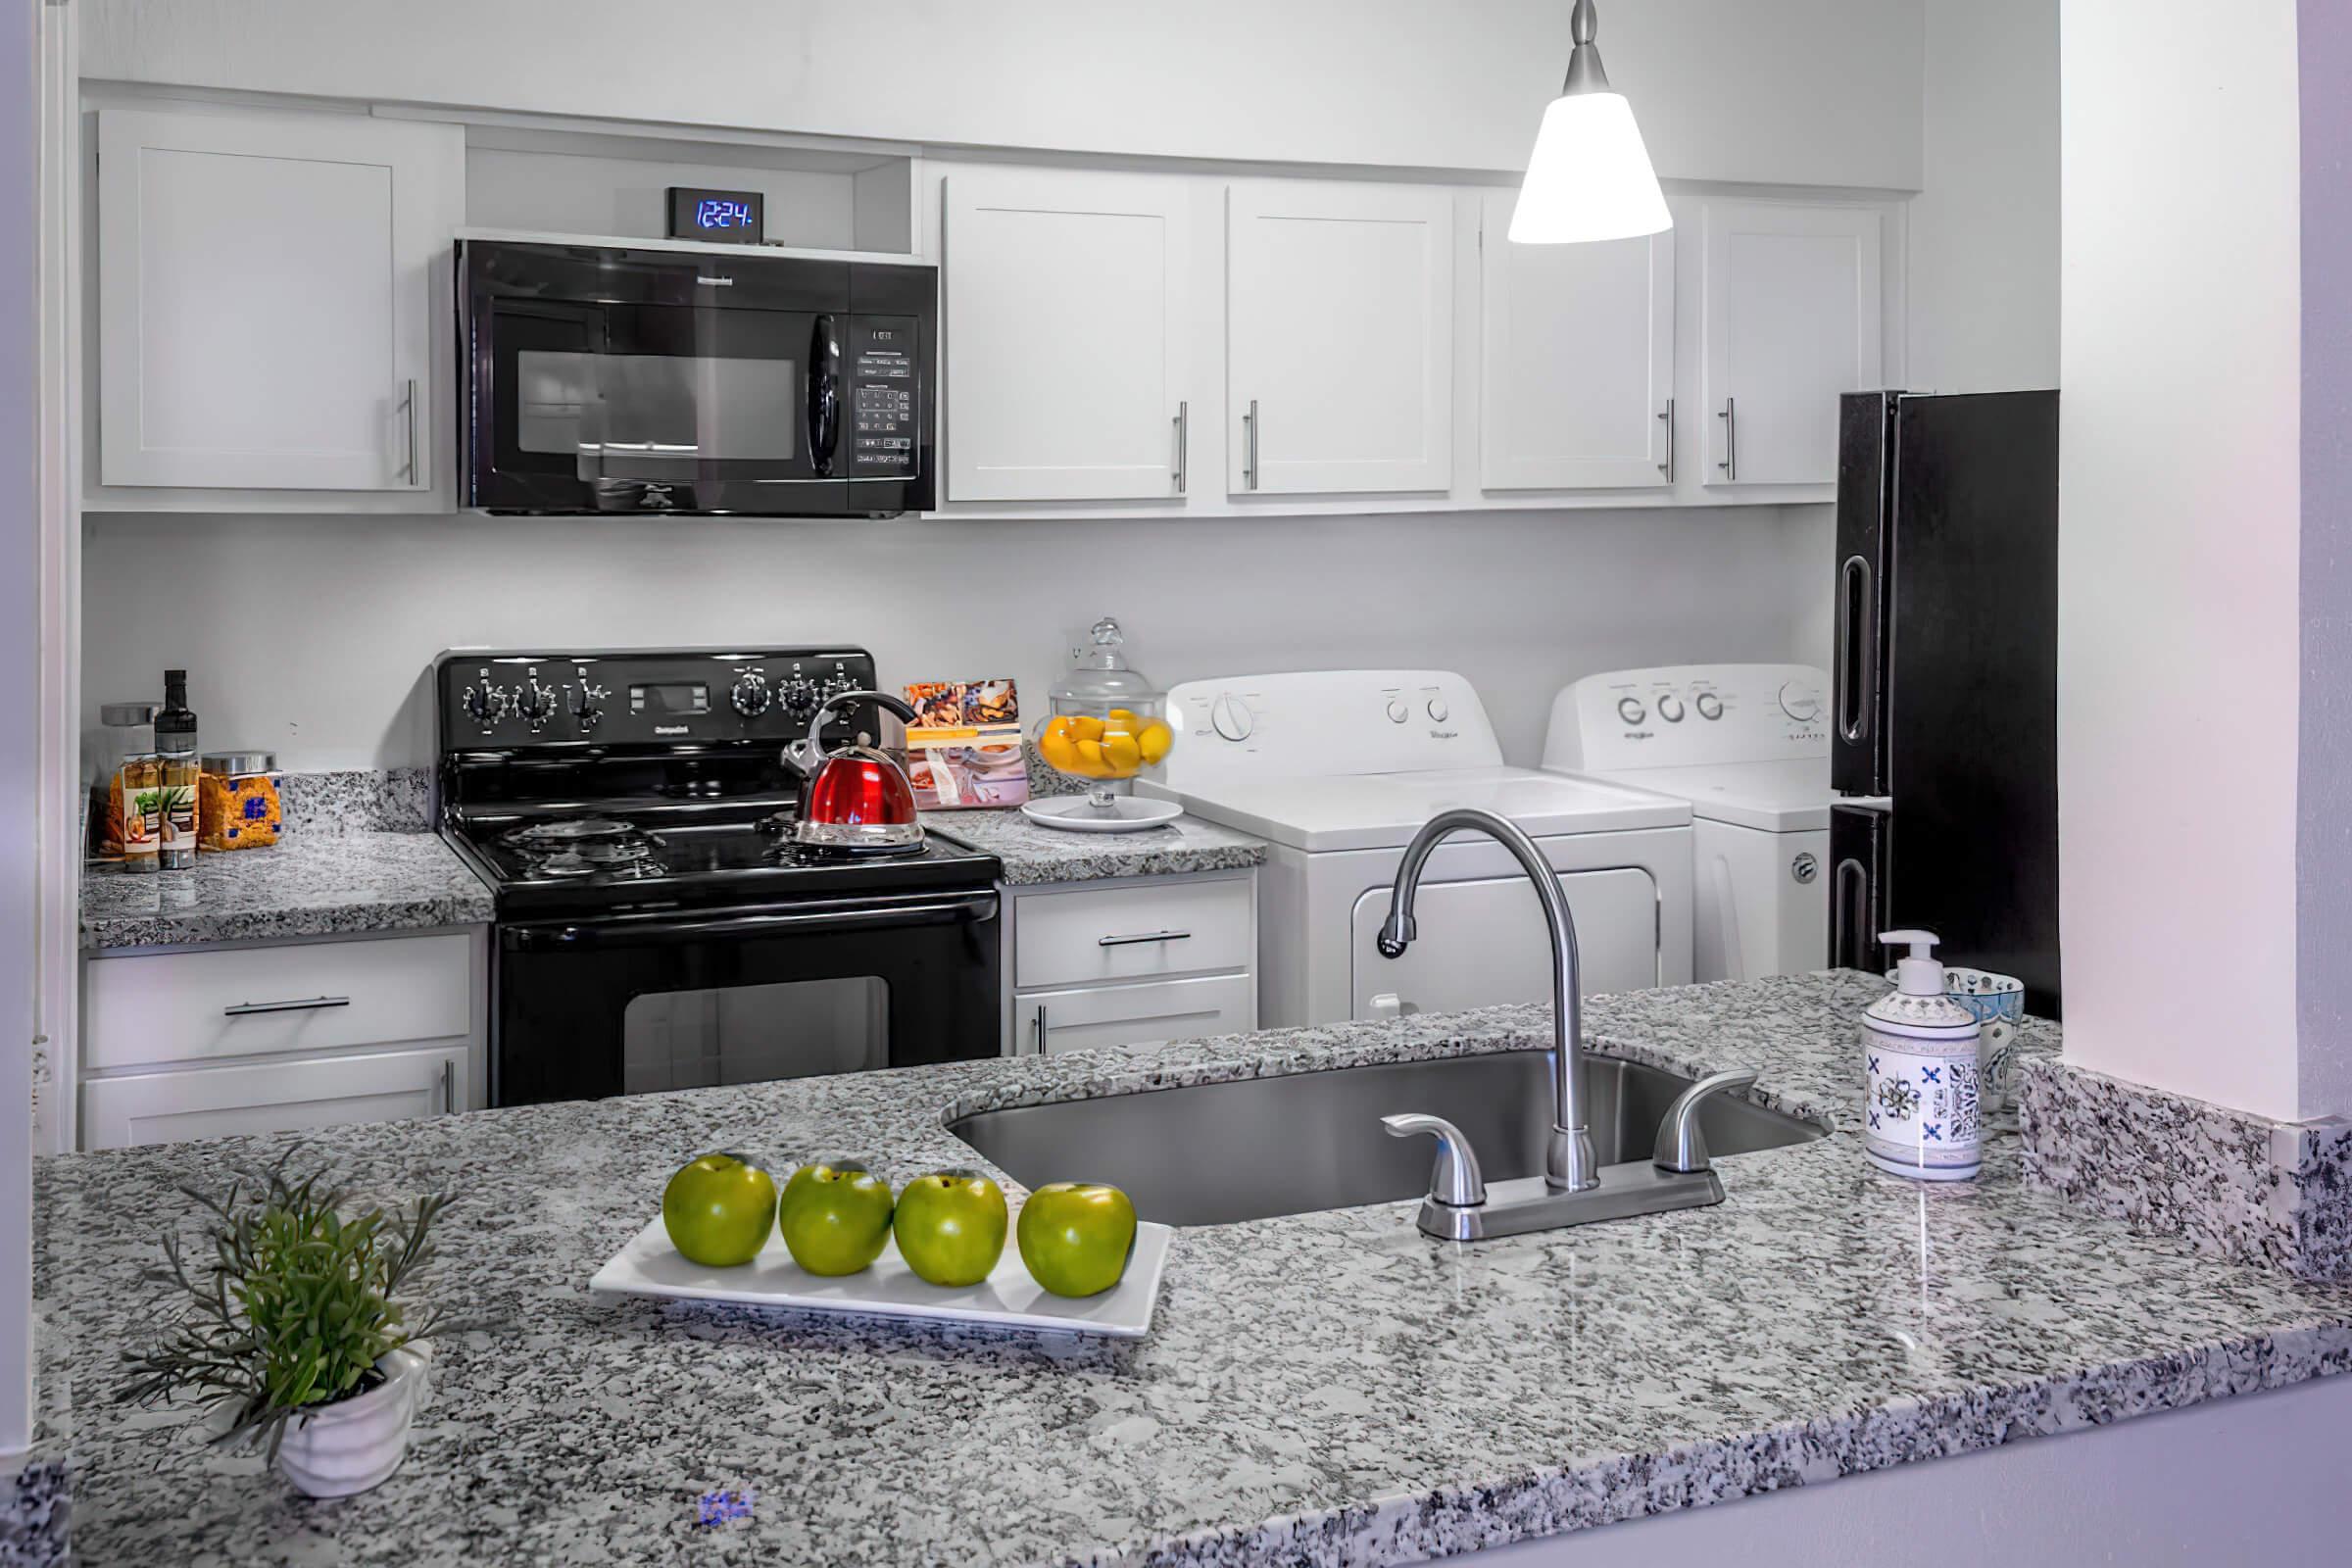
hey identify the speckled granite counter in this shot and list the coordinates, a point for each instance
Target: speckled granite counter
(307, 885)
(1325, 1389)
(1034, 854)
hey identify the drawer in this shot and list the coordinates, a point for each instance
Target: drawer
(1054, 1021)
(241, 1001)
(1170, 927)
(164, 1107)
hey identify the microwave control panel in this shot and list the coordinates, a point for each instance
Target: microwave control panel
(885, 394)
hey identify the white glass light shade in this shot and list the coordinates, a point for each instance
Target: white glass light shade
(1589, 176)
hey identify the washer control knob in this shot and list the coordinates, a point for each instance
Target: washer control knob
(750, 695)
(1439, 712)
(1800, 701)
(1630, 710)
(1229, 717)
(1669, 708)
(1398, 712)
(1709, 706)
(485, 704)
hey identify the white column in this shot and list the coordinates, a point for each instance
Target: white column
(2180, 550)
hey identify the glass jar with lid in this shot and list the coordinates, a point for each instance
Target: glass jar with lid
(125, 730)
(1105, 724)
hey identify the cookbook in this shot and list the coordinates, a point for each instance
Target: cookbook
(965, 748)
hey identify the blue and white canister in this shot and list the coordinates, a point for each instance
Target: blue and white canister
(1924, 1114)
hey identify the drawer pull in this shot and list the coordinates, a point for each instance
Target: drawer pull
(449, 1087)
(308, 1004)
(1143, 936)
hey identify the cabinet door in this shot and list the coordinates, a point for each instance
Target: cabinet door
(1578, 362)
(1340, 337)
(1049, 1022)
(1066, 302)
(1792, 323)
(264, 298)
(164, 1107)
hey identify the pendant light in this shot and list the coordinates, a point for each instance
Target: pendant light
(1589, 176)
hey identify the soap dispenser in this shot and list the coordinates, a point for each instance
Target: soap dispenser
(1924, 1117)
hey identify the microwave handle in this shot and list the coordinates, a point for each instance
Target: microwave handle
(825, 396)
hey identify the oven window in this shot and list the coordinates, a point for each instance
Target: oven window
(640, 406)
(750, 1034)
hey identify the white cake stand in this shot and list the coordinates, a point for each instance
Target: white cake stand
(1080, 813)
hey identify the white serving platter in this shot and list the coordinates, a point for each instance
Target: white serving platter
(1008, 1299)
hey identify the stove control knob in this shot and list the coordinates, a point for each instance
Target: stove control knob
(584, 711)
(485, 704)
(799, 699)
(535, 705)
(837, 683)
(751, 695)
(1709, 706)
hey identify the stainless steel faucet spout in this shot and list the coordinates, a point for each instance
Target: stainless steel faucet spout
(1569, 1162)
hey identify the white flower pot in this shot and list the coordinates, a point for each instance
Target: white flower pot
(332, 1450)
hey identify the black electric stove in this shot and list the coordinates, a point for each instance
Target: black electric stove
(658, 927)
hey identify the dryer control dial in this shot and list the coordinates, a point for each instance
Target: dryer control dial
(1669, 708)
(1230, 716)
(1800, 701)
(1630, 710)
(1709, 706)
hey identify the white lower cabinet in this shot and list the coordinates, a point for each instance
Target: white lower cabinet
(210, 1042)
(1130, 963)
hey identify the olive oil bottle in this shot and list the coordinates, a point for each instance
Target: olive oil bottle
(176, 745)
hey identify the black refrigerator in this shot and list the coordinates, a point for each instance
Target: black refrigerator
(1944, 745)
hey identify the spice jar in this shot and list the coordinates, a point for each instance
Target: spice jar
(237, 805)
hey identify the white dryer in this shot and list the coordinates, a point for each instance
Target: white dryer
(1748, 747)
(1338, 769)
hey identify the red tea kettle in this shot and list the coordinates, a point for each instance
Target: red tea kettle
(854, 800)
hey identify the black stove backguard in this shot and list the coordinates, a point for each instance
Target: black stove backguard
(724, 953)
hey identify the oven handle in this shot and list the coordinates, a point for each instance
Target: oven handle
(638, 931)
(825, 395)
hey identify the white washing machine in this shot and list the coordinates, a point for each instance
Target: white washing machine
(1748, 747)
(1338, 769)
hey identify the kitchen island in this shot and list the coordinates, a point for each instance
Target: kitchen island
(1330, 1387)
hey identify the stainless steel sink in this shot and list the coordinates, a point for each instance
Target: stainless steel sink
(1213, 1154)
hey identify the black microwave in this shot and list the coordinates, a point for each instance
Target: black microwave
(611, 380)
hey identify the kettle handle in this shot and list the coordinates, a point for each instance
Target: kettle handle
(824, 711)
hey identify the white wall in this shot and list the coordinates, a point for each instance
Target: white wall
(1822, 92)
(308, 635)
(2178, 547)
(1983, 231)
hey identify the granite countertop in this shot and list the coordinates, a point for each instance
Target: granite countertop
(1034, 853)
(306, 885)
(1322, 1389)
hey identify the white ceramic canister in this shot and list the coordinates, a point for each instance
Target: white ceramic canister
(1924, 1114)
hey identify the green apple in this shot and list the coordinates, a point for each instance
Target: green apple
(718, 1209)
(835, 1217)
(951, 1226)
(1076, 1237)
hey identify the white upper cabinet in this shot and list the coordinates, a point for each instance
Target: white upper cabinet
(1340, 337)
(1065, 335)
(1576, 380)
(265, 298)
(1792, 323)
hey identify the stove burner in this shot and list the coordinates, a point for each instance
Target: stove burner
(570, 830)
(799, 851)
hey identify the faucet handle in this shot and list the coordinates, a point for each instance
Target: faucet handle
(1682, 1146)
(1454, 1181)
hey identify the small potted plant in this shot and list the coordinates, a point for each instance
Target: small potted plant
(294, 1325)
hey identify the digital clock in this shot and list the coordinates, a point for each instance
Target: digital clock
(732, 217)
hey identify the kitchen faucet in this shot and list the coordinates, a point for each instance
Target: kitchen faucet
(1574, 1188)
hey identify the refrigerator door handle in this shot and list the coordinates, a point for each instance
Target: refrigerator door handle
(1849, 912)
(1857, 650)
(1880, 805)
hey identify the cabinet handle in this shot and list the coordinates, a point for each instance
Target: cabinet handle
(1730, 440)
(1184, 439)
(1667, 467)
(412, 407)
(1037, 1031)
(449, 1087)
(307, 1005)
(1249, 458)
(1143, 936)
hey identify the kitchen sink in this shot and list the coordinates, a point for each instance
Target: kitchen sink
(1214, 1154)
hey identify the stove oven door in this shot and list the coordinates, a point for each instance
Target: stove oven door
(631, 1004)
